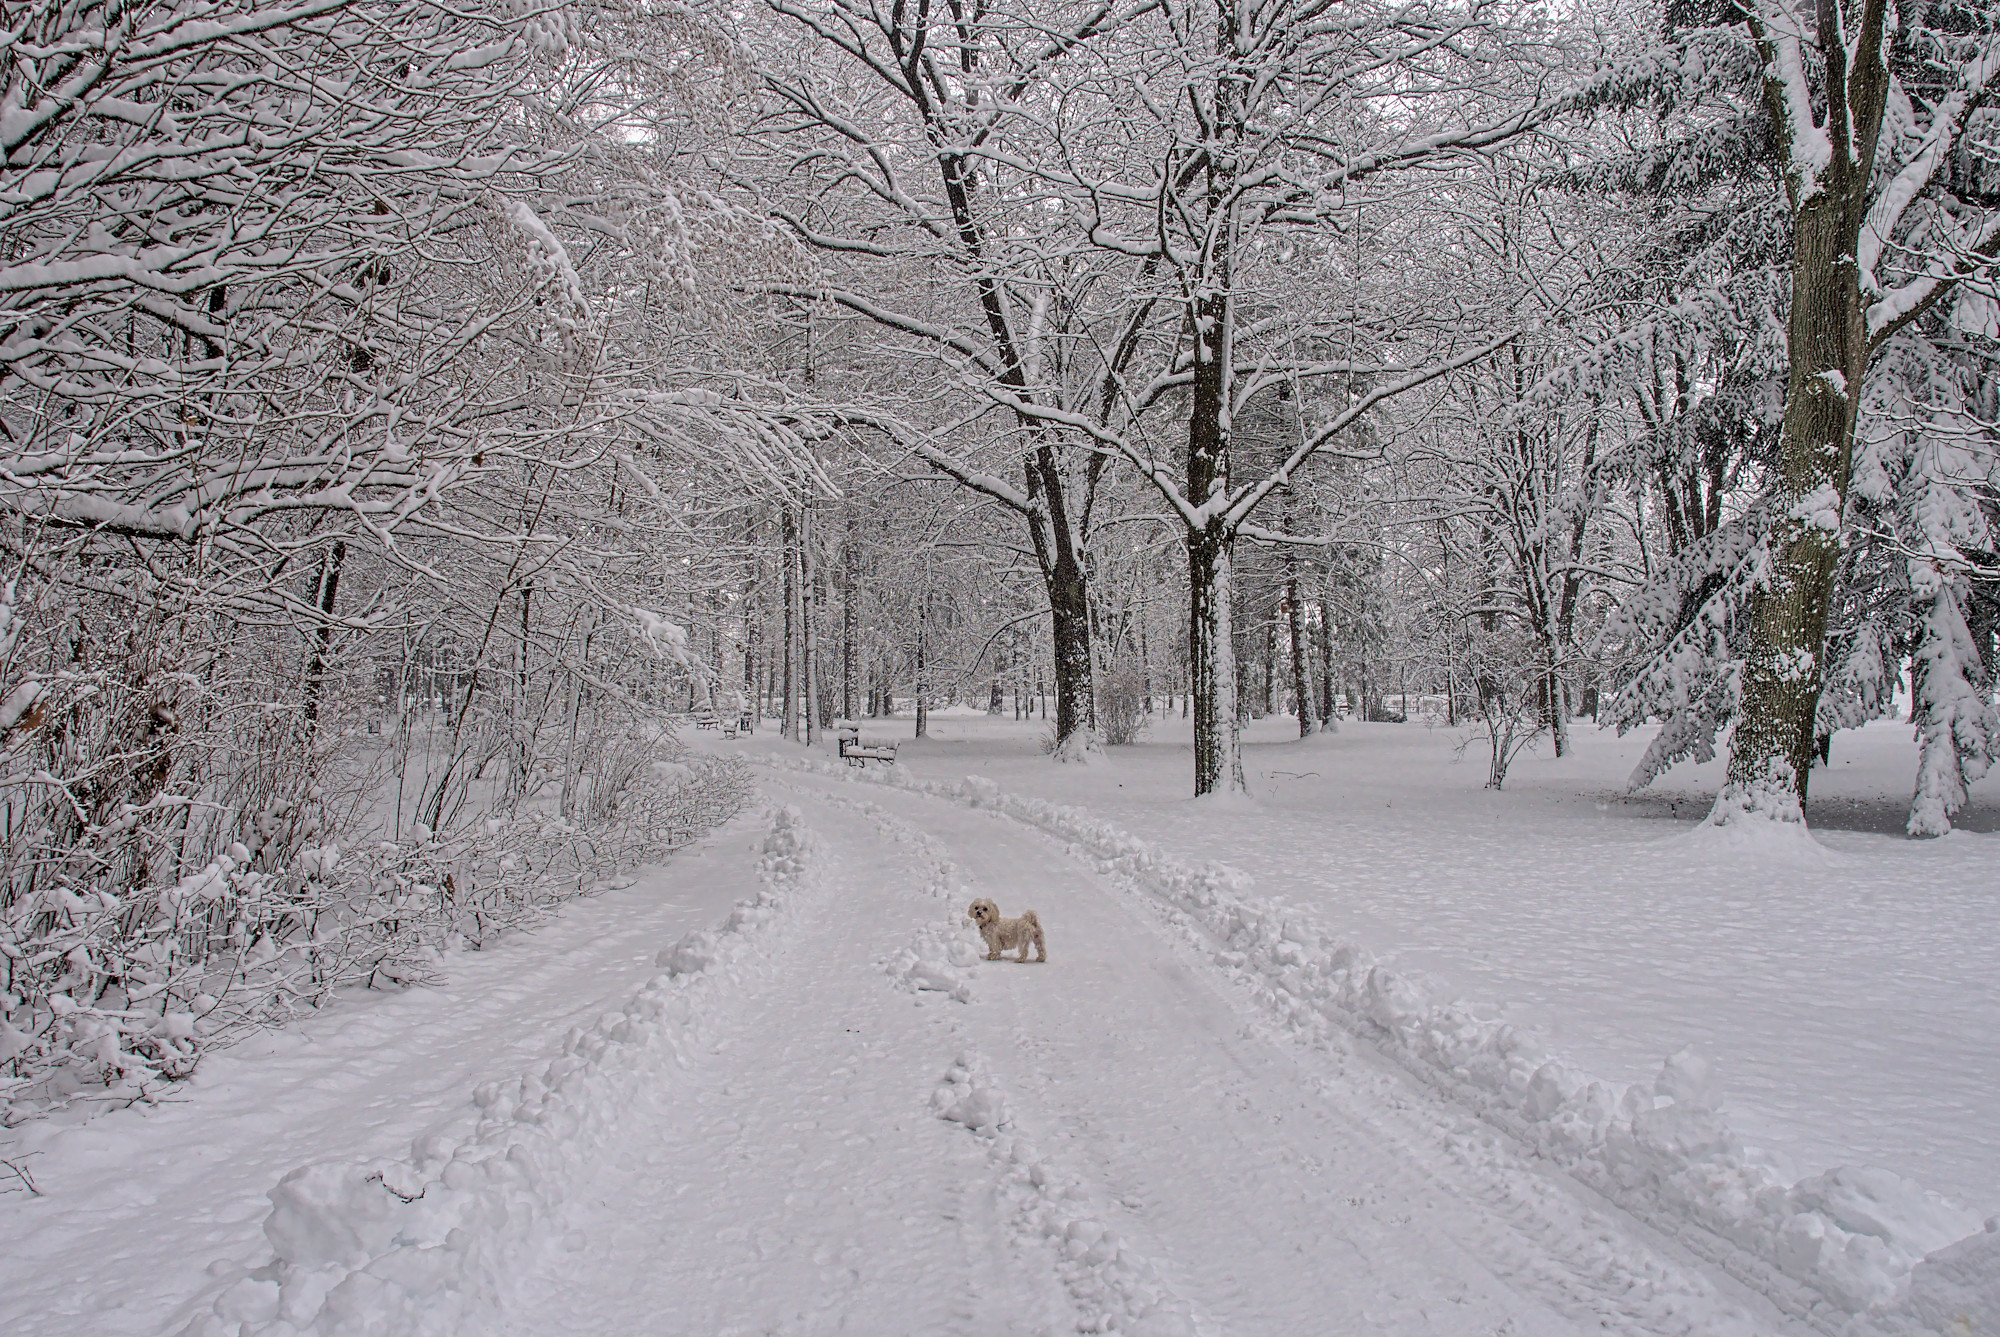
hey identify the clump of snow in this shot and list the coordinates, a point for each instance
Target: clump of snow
(1751, 837)
(935, 962)
(425, 1244)
(1855, 1240)
(1116, 1288)
(970, 1097)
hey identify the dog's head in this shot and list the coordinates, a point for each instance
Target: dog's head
(984, 912)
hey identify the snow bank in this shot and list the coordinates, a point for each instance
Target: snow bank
(1853, 1249)
(1115, 1288)
(425, 1244)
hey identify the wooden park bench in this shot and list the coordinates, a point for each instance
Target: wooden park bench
(857, 753)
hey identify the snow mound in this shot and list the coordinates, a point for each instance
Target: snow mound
(425, 1244)
(1954, 1291)
(1852, 1242)
(934, 962)
(1083, 747)
(1115, 1288)
(967, 1095)
(1757, 839)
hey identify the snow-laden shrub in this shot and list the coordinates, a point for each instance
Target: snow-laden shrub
(1121, 707)
(182, 861)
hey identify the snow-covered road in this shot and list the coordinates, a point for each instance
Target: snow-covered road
(1165, 1162)
(823, 1112)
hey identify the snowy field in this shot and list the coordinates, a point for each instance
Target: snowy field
(1851, 1005)
(821, 1111)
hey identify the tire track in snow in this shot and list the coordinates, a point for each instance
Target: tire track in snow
(1116, 1287)
(1429, 1215)
(797, 1181)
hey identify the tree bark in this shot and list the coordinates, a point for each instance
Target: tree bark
(788, 715)
(923, 687)
(1326, 701)
(1302, 686)
(850, 579)
(322, 635)
(1270, 663)
(809, 588)
(1770, 758)
(1218, 754)
(1069, 609)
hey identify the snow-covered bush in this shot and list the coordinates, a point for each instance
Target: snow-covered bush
(191, 849)
(1509, 678)
(1121, 706)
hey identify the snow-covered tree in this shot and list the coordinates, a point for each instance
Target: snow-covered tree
(1875, 121)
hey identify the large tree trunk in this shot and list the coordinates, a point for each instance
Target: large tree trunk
(1218, 753)
(1771, 755)
(1218, 744)
(1069, 615)
(1302, 684)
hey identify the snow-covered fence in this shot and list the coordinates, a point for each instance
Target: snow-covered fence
(1851, 1250)
(425, 1243)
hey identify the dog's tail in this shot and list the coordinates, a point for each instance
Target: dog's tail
(1029, 916)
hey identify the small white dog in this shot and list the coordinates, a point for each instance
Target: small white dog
(1008, 934)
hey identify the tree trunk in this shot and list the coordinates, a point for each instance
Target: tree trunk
(1302, 686)
(1770, 758)
(923, 687)
(322, 635)
(1326, 693)
(1069, 613)
(808, 638)
(1270, 684)
(1558, 708)
(1218, 755)
(1145, 666)
(753, 702)
(850, 579)
(788, 715)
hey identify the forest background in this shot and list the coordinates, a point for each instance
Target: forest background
(412, 415)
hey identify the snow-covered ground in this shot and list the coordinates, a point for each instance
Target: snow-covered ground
(138, 1202)
(1851, 1005)
(821, 1111)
